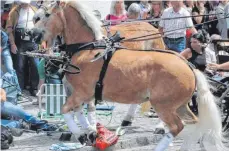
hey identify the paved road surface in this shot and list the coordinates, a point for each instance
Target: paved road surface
(140, 137)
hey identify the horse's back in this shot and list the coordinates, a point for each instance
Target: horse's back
(137, 29)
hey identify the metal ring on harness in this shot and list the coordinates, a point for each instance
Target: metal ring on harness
(64, 65)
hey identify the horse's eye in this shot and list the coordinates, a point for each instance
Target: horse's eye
(47, 15)
(37, 19)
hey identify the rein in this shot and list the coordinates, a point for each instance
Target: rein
(139, 38)
(109, 22)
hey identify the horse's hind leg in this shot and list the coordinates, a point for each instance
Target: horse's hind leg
(174, 124)
(127, 121)
(187, 115)
(91, 115)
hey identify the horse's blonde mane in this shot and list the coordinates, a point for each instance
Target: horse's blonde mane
(93, 23)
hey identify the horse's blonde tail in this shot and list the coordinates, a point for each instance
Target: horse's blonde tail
(208, 130)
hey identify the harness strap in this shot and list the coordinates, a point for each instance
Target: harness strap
(99, 83)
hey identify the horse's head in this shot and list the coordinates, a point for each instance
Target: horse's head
(43, 6)
(48, 23)
(72, 19)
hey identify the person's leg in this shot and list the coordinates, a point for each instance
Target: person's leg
(13, 126)
(20, 65)
(8, 108)
(6, 57)
(11, 123)
(167, 43)
(34, 62)
(180, 45)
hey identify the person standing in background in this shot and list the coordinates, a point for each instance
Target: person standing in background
(176, 39)
(156, 12)
(117, 12)
(226, 13)
(145, 9)
(6, 9)
(199, 9)
(222, 24)
(134, 11)
(20, 20)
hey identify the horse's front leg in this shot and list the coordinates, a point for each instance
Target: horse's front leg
(74, 105)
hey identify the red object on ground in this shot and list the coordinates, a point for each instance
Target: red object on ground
(105, 138)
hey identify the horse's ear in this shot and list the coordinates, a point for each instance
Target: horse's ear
(62, 3)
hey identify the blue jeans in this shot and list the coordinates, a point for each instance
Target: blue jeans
(11, 123)
(10, 109)
(7, 59)
(22, 61)
(10, 84)
(53, 80)
(176, 45)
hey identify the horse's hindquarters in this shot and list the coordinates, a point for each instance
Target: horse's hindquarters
(134, 77)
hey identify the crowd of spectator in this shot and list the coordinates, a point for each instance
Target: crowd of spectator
(207, 18)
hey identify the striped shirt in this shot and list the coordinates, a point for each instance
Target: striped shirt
(181, 23)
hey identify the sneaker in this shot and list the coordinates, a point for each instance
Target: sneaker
(40, 124)
(19, 98)
(33, 92)
(35, 103)
(48, 127)
(25, 125)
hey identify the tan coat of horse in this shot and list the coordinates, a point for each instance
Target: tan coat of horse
(134, 77)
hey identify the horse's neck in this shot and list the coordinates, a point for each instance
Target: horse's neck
(76, 30)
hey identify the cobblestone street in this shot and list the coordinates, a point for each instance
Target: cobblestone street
(138, 137)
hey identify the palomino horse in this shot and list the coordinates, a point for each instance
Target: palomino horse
(127, 30)
(133, 77)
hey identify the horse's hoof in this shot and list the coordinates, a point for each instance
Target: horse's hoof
(83, 139)
(159, 131)
(126, 123)
(92, 137)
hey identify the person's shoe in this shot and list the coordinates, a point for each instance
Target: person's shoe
(19, 98)
(38, 125)
(33, 92)
(48, 127)
(25, 125)
(16, 131)
(35, 103)
(126, 123)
